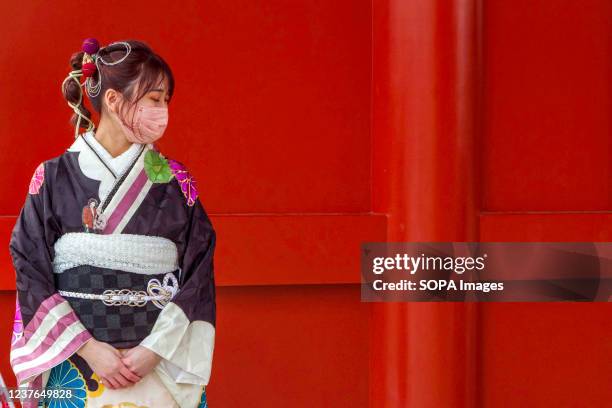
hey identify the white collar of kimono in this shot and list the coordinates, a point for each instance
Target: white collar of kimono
(93, 168)
(119, 163)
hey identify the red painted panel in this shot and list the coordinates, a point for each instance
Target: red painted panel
(547, 167)
(7, 271)
(306, 249)
(536, 227)
(305, 346)
(272, 104)
(548, 98)
(7, 314)
(546, 354)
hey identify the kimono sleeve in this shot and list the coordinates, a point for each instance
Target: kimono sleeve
(184, 332)
(46, 330)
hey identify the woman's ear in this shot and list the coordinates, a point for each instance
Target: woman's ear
(111, 100)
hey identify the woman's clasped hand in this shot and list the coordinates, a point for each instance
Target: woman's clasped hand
(118, 368)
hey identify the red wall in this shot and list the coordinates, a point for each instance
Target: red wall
(272, 114)
(547, 171)
(485, 120)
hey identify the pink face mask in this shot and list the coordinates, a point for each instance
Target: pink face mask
(149, 124)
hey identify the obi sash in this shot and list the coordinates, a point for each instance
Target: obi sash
(87, 263)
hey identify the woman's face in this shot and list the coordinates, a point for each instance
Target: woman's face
(156, 97)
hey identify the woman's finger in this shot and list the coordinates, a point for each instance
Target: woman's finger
(121, 380)
(114, 384)
(106, 382)
(126, 361)
(130, 375)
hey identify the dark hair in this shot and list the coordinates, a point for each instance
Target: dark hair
(142, 66)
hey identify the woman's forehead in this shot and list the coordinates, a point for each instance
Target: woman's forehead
(161, 85)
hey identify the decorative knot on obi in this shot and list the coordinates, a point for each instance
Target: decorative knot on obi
(166, 291)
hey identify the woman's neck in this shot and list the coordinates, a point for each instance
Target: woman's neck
(111, 137)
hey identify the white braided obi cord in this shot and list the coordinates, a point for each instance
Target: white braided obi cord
(159, 294)
(143, 254)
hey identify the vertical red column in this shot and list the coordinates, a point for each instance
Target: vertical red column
(425, 177)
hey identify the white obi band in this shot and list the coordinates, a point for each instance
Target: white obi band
(143, 254)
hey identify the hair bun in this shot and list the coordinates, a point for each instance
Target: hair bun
(90, 46)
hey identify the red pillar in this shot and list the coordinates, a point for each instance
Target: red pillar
(426, 66)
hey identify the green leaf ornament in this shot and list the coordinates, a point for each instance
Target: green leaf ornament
(157, 168)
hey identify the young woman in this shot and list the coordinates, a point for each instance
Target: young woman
(113, 251)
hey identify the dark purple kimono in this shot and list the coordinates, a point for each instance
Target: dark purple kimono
(154, 200)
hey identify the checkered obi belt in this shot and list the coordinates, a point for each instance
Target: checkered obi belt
(117, 284)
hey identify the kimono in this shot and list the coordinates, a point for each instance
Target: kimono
(119, 249)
